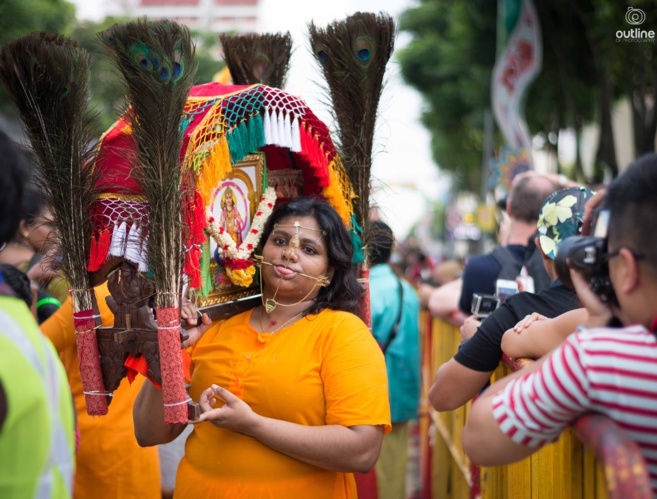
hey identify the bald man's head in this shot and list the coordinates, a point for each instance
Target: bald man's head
(528, 195)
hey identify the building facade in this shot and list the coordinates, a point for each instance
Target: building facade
(214, 16)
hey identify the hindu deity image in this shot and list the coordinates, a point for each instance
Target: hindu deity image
(230, 218)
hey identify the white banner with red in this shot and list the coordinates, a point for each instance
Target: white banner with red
(514, 71)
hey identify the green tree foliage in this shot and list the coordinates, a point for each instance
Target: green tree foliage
(449, 61)
(106, 87)
(585, 70)
(18, 17)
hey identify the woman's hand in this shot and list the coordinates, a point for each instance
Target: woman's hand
(469, 327)
(528, 321)
(235, 414)
(195, 333)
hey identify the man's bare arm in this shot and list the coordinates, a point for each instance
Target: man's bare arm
(455, 384)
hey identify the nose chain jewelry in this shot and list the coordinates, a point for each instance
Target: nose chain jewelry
(270, 303)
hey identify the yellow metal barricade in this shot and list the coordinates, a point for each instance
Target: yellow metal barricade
(565, 469)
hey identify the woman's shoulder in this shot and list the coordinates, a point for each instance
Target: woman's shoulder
(338, 323)
(331, 316)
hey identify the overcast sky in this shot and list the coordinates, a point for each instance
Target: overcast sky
(404, 175)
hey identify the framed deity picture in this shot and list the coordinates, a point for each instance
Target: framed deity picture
(232, 206)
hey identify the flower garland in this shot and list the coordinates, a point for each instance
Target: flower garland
(238, 263)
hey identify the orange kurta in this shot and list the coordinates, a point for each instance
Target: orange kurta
(325, 369)
(109, 462)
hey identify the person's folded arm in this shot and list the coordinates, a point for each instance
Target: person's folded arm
(340, 448)
(455, 384)
(483, 440)
(541, 336)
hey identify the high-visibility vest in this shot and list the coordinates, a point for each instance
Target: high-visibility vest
(37, 436)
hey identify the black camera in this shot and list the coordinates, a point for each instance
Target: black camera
(589, 255)
(484, 305)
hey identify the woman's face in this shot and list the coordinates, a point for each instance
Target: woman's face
(38, 233)
(288, 260)
(229, 201)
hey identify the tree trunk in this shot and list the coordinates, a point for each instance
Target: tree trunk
(606, 155)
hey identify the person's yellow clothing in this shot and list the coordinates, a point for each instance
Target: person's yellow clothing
(110, 463)
(37, 432)
(325, 369)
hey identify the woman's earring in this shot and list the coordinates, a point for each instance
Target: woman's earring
(323, 281)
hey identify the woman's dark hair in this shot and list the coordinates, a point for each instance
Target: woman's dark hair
(18, 281)
(379, 242)
(12, 182)
(344, 291)
(33, 204)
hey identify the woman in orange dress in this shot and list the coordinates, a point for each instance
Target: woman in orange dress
(293, 393)
(109, 462)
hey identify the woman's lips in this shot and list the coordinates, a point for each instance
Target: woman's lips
(284, 272)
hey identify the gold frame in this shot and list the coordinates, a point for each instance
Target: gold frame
(241, 174)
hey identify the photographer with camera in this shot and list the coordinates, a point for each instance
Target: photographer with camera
(463, 376)
(609, 366)
(523, 205)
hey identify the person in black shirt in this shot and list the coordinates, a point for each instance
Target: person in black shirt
(523, 207)
(459, 379)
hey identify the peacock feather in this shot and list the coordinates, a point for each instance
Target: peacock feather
(156, 61)
(47, 77)
(258, 58)
(353, 54)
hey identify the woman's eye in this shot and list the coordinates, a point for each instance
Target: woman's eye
(279, 241)
(308, 250)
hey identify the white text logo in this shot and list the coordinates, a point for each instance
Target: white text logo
(635, 17)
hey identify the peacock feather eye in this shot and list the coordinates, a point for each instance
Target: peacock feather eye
(364, 49)
(144, 62)
(141, 56)
(322, 56)
(65, 92)
(164, 73)
(177, 64)
(262, 67)
(156, 62)
(364, 55)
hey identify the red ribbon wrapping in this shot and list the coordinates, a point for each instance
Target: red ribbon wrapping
(174, 394)
(89, 361)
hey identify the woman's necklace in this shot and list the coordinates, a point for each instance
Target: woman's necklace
(262, 329)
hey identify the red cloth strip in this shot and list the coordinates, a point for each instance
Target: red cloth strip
(89, 361)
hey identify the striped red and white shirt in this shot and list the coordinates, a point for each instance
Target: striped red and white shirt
(608, 371)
